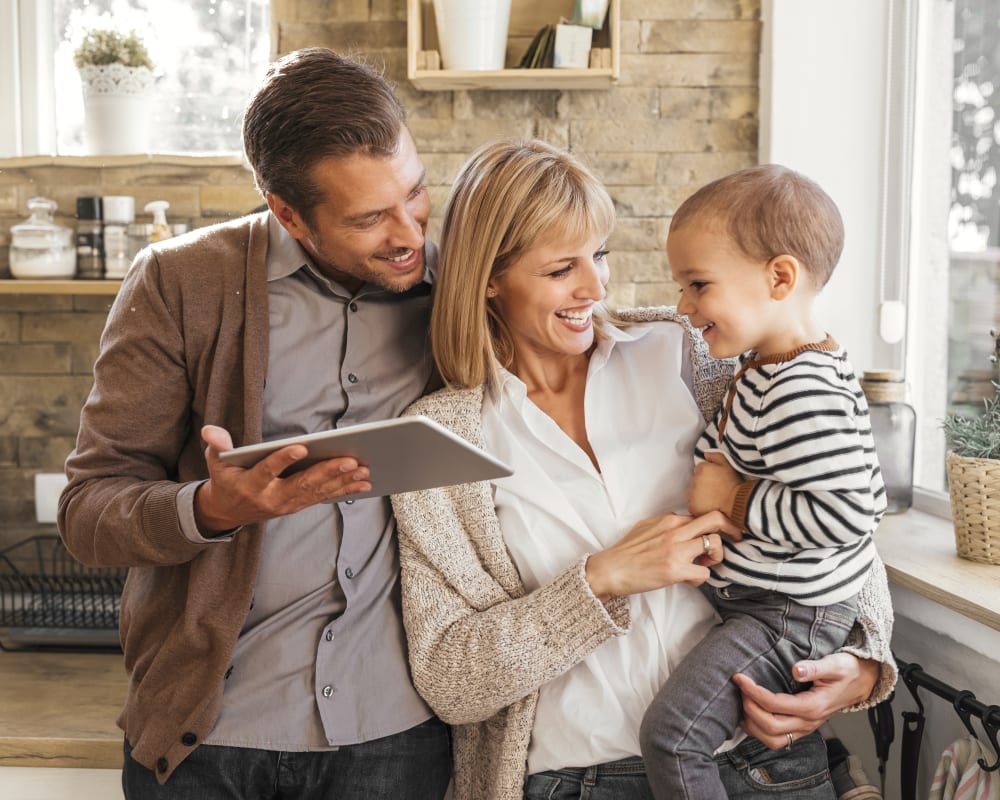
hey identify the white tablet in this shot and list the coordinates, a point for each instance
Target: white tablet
(403, 455)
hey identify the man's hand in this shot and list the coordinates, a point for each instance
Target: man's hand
(714, 485)
(234, 496)
(838, 680)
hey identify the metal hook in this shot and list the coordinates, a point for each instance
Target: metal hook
(964, 714)
(991, 732)
(911, 684)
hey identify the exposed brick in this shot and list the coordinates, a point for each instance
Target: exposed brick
(442, 167)
(325, 10)
(700, 36)
(648, 201)
(639, 234)
(10, 327)
(691, 9)
(654, 135)
(620, 295)
(640, 267)
(35, 302)
(83, 356)
(623, 103)
(45, 454)
(445, 136)
(382, 10)
(623, 169)
(34, 359)
(690, 69)
(343, 37)
(505, 105)
(656, 294)
(709, 104)
(42, 406)
(8, 450)
(234, 201)
(553, 132)
(62, 327)
(696, 169)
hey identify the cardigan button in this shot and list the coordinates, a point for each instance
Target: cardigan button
(161, 765)
(188, 739)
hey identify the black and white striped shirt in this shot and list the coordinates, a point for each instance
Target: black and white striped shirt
(796, 426)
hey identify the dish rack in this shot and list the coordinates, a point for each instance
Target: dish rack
(48, 599)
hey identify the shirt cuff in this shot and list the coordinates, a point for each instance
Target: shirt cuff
(738, 514)
(189, 527)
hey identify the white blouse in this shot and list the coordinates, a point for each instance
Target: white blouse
(642, 423)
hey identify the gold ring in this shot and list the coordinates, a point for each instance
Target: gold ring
(706, 544)
(790, 740)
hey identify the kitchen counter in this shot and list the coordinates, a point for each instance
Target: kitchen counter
(59, 709)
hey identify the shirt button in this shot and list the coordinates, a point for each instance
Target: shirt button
(161, 765)
(349, 502)
(353, 306)
(329, 636)
(352, 377)
(349, 572)
(327, 691)
(188, 739)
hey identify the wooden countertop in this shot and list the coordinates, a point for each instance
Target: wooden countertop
(59, 709)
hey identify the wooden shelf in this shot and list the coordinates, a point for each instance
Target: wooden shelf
(526, 18)
(24, 286)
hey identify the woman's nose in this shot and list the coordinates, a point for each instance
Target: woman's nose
(594, 280)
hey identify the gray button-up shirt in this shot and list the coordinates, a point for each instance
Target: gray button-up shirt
(321, 660)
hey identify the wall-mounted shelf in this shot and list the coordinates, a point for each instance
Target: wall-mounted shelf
(526, 18)
(24, 286)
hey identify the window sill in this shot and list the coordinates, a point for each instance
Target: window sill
(919, 554)
(165, 159)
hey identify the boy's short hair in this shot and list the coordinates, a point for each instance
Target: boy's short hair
(770, 210)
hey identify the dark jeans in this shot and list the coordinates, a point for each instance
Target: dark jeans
(749, 772)
(762, 635)
(412, 765)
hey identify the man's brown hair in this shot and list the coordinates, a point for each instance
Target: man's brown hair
(311, 105)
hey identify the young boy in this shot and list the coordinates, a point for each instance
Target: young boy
(789, 458)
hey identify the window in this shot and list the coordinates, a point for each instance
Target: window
(957, 230)
(208, 55)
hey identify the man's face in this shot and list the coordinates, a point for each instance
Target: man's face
(370, 226)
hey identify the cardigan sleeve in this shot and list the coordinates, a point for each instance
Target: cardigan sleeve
(476, 647)
(871, 636)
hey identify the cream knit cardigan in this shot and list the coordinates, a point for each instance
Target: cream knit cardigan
(480, 646)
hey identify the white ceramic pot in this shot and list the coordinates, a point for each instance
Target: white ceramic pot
(117, 102)
(472, 34)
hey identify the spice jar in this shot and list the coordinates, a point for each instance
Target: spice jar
(89, 238)
(119, 213)
(39, 248)
(894, 425)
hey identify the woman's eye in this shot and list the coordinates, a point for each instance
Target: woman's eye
(560, 273)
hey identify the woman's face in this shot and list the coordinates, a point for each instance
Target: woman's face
(547, 296)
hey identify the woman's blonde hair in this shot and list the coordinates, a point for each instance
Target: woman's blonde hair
(508, 197)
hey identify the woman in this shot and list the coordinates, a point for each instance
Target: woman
(543, 612)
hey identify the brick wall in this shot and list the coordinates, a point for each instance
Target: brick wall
(684, 111)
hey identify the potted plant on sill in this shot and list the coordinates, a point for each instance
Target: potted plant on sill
(117, 76)
(973, 464)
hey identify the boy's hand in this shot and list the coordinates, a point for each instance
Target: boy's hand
(713, 486)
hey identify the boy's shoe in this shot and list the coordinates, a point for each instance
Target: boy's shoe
(851, 783)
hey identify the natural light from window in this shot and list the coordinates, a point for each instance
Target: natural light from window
(207, 56)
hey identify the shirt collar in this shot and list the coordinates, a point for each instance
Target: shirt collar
(514, 390)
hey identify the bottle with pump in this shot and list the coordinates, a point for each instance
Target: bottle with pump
(160, 230)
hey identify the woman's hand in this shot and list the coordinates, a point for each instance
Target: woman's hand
(838, 680)
(659, 552)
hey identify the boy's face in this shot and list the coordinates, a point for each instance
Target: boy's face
(724, 292)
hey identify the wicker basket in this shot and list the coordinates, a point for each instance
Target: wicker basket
(974, 485)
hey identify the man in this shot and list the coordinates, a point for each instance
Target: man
(260, 622)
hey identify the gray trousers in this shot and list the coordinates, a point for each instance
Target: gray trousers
(763, 634)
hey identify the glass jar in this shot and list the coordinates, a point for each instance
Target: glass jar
(894, 425)
(39, 248)
(89, 238)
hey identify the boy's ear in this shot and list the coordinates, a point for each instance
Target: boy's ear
(783, 275)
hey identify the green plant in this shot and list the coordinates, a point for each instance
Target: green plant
(975, 437)
(102, 46)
